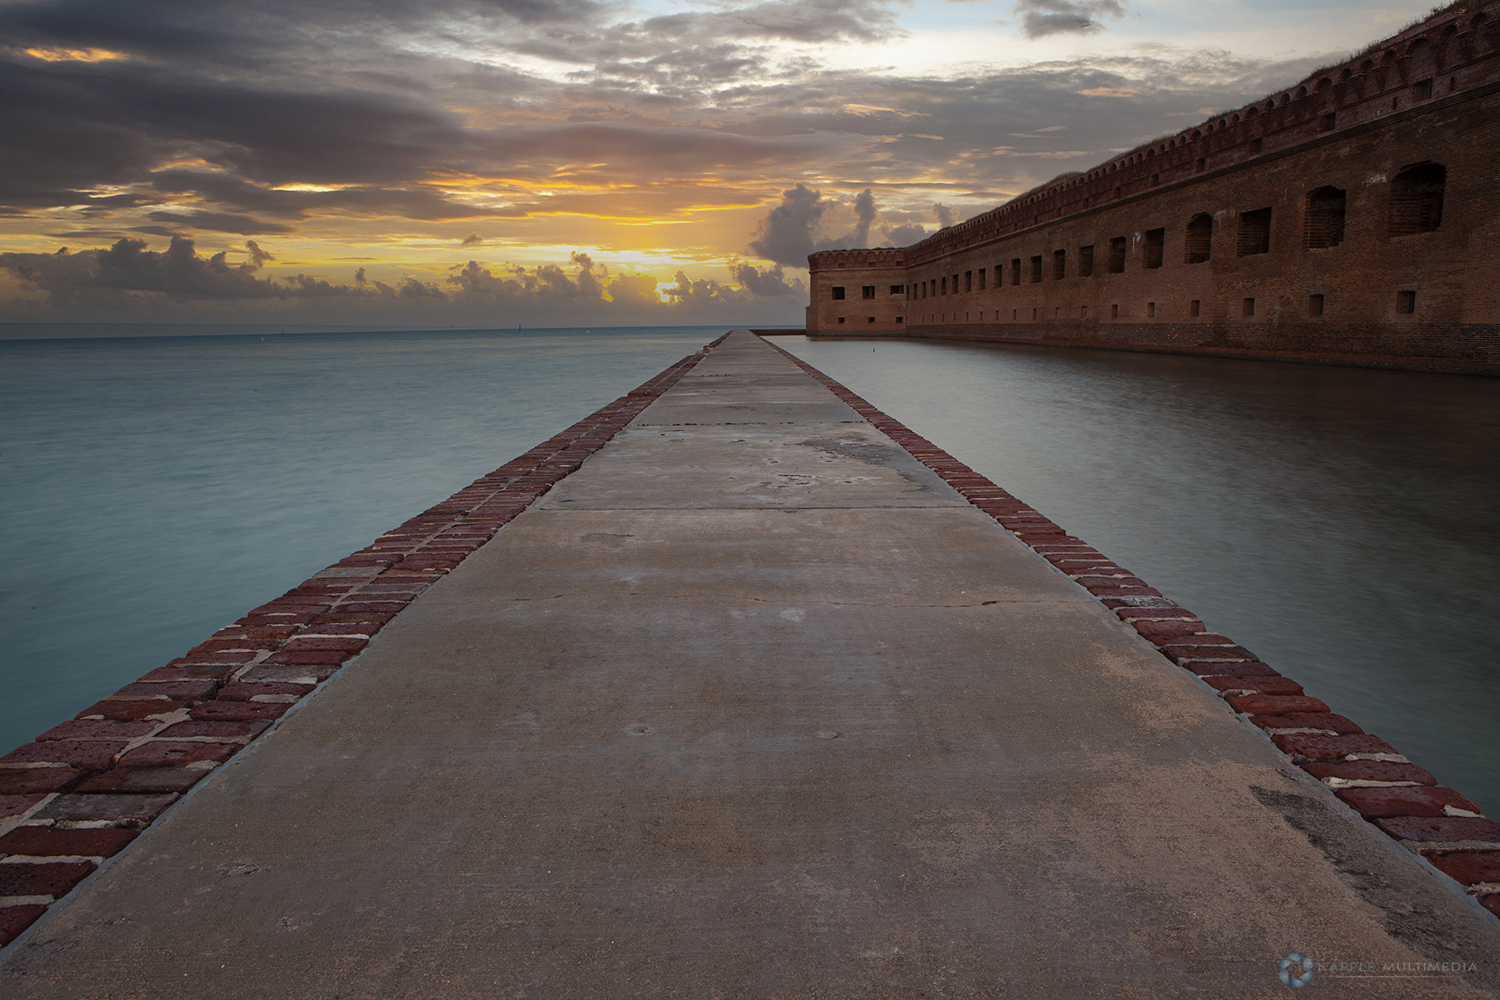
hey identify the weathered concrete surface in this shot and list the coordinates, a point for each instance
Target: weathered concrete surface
(794, 722)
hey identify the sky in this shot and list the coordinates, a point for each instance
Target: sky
(492, 163)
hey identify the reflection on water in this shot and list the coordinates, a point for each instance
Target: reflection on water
(153, 490)
(1341, 523)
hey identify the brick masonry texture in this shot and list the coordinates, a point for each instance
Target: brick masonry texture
(1347, 220)
(87, 786)
(1364, 771)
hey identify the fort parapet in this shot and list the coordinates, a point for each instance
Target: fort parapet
(1351, 218)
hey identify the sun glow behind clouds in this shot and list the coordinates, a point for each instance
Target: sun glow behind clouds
(75, 55)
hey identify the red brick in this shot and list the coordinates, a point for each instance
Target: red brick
(1262, 685)
(1468, 867)
(191, 671)
(96, 729)
(1315, 747)
(48, 841)
(1338, 724)
(256, 631)
(325, 643)
(1103, 590)
(371, 607)
(1274, 704)
(211, 658)
(1369, 770)
(1228, 668)
(15, 919)
(372, 621)
(1134, 613)
(1490, 901)
(245, 692)
(144, 780)
(133, 811)
(15, 805)
(169, 753)
(237, 711)
(189, 691)
(1164, 631)
(234, 645)
(310, 657)
(1417, 800)
(1091, 581)
(217, 730)
(129, 710)
(1183, 653)
(51, 879)
(1441, 829)
(90, 755)
(357, 628)
(25, 780)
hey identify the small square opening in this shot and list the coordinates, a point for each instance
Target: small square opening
(1249, 307)
(1315, 304)
(1195, 307)
(1406, 302)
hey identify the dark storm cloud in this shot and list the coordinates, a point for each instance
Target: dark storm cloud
(1050, 17)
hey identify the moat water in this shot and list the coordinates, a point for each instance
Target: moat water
(1341, 523)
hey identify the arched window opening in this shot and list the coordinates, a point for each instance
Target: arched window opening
(1417, 199)
(1200, 238)
(1324, 226)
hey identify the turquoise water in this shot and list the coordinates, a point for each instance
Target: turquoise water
(1339, 522)
(153, 490)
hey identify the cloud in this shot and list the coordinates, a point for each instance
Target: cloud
(903, 236)
(179, 272)
(242, 225)
(946, 214)
(786, 234)
(471, 240)
(1040, 18)
(769, 283)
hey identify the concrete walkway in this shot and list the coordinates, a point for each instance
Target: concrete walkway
(754, 705)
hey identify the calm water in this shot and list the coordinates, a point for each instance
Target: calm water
(1341, 523)
(155, 489)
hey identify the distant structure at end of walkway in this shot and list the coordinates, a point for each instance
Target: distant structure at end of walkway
(1353, 219)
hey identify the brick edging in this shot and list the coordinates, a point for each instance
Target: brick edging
(1365, 772)
(87, 787)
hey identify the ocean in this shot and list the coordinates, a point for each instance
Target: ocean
(1338, 522)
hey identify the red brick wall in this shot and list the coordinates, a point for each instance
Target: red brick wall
(1389, 296)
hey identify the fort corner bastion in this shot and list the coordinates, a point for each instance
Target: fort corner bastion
(1353, 218)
